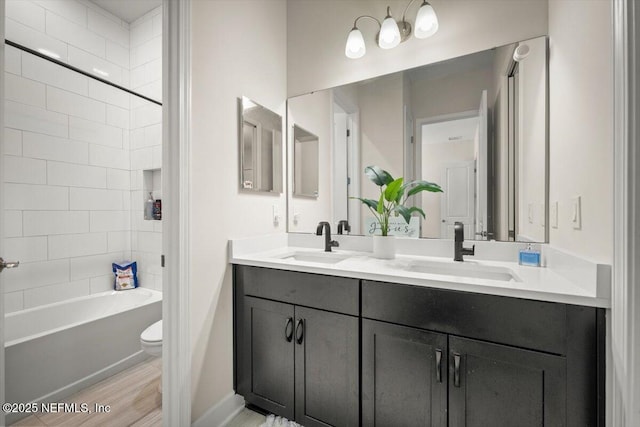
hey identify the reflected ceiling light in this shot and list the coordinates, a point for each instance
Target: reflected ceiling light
(522, 51)
(393, 32)
(49, 53)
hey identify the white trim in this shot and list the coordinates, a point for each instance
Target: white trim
(624, 379)
(222, 413)
(2, 248)
(176, 73)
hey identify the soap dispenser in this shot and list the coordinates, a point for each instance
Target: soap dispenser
(529, 256)
(148, 207)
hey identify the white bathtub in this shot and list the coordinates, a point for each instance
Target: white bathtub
(55, 350)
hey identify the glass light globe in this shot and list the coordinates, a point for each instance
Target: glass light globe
(355, 47)
(389, 33)
(426, 22)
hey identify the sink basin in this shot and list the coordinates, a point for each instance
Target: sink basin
(316, 257)
(464, 269)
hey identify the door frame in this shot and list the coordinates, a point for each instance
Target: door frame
(176, 140)
(2, 246)
(623, 362)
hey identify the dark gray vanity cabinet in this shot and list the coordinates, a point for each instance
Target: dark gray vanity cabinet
(296, 346)
(404, 376)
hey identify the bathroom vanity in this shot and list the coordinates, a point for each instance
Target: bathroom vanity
(324, 342)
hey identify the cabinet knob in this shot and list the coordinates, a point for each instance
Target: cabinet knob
(299, 330)
(288, 329)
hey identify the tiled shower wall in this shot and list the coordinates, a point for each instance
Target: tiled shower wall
(72, 169)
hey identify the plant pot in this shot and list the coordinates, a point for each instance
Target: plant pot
(384, 247)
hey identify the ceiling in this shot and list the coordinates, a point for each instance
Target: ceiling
(450, 131)
(128, 10)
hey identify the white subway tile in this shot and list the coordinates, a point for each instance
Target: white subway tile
(26, 13)
(41, 223)
(146, 52)
(126, 140)
(76, 105)
(109, 157)
(26, 36)
(141, 32)
(138, 223)
(95, 133)
(35, 197)
(74, 34)
(12, 60)
(71, 175)
(25, 249)
(87, 62)
(142, 158)
(117, 54)
(12, 142)
(147, 73)
(41, 70)
(109, 29)
(94, 7)
(34, 119)
(118, 117)
(23, 90)
(76, 245)
(24, 170)
(137, 138)
(110, 221)
(102, 283)
(119, 241)
(13, 301)
(149, 114)
(157, 24)
(70, 10)
(54, 293)
(149, 242)
(136, 180)
(118, 179)
(126, 200)
(40, 146)
(126, 78)
(94, 266)
(95, 200)
(157, 226)
(152, 90)
(148, 262)
(109, 94)
(12, 223)
(156, 157)
(35, 274)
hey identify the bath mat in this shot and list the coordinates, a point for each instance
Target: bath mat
(273, 421)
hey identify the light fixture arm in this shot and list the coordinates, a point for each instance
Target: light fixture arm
(355, 23)
(404, 14)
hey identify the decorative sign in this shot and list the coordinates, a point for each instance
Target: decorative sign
(397, 227)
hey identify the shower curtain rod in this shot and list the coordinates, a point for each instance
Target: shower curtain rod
(78, 70)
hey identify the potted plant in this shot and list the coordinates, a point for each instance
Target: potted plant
(394, 194)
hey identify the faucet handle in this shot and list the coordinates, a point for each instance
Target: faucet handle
(343, 224)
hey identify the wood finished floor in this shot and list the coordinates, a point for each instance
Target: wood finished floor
(132, 395)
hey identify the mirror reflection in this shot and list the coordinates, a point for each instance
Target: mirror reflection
(305, 163)
(260, 148)
(476, 125)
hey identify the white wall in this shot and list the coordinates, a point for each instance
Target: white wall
(580, 124)
(238, 48)
(146, 54)
(317, 32)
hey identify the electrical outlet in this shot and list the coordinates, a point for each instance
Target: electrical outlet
(276, 215)
(553, 214)
(576, 212)
(296, 218)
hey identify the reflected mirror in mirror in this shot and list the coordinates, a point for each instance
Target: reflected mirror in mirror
(260, 148)
(476, 125)
(305, 163)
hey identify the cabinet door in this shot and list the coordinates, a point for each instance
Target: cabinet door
(404, 376)
(269, 355)
(327, 368)
(496, 385)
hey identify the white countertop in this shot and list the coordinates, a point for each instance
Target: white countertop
(537, 283)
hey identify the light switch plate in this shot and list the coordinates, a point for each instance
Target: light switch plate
(576, 212)
(542, 212)
(276, 215)
(553, 214)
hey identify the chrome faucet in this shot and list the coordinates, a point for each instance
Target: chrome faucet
(344, 224)
(458, 241)
(328, 243)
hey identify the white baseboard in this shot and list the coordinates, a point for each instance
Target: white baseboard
(223, 412)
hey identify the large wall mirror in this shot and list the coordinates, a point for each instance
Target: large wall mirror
(260, 141)
(476, 125)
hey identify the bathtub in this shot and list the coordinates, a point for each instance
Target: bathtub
(55, 350)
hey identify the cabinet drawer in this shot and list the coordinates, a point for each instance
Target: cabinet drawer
(523, 323)
(330, 293)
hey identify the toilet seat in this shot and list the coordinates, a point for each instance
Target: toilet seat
(151, 339)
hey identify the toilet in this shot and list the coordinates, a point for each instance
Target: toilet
(151, 339)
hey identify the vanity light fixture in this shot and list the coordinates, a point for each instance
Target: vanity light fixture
(393, 32)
